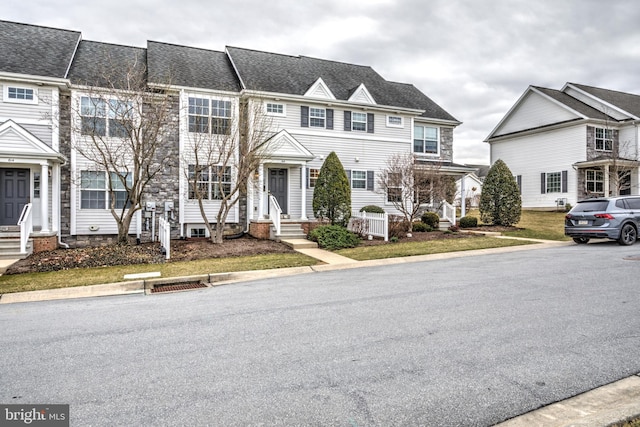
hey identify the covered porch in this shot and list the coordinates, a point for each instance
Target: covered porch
(277, 192)
(30, 189)
(607, 177)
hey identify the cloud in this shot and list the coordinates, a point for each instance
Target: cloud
(473, 58)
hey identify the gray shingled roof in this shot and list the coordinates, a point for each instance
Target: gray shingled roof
(277, 73)
(573, 103)
(626, 101)
(190, 67)
(104, 65)
(34, 50)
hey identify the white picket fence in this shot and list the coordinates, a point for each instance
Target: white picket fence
(371, 224)
(164, 236)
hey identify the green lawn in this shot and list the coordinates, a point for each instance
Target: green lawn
(403, 249)
(538, 225)
(95, 276)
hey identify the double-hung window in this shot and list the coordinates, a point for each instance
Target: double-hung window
(359, 121)
(604, 139)
(425, 140)
(358, 179)
(317, 117)
(209, 116)
(313, 177)
(594, 181)
(94, 190)
(210, 183)
(101, 117)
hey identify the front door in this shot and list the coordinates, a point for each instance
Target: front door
(278, 187)
(14, 194)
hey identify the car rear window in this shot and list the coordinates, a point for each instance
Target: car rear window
(591, 206)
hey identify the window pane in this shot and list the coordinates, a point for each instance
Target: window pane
(359, 121)
(316, 117)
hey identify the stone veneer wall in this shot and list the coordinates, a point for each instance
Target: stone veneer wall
(446, 144)
(163, 188)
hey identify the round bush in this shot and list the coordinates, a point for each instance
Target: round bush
(420, 227)
(372, 209)
(468, 222)
(334, 237)
(431, 219)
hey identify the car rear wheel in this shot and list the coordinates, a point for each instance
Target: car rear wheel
(628, 235)
(581, 240)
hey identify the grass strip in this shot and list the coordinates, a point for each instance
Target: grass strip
(95, 276)
(404, 249)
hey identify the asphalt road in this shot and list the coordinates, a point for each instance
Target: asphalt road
(458, 342)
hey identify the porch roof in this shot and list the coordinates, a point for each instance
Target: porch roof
(627, 163)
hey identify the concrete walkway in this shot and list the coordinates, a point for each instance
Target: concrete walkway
(6, 263)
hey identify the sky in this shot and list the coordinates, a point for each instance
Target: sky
(474, 58)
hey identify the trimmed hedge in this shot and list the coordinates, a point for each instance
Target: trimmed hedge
(420, 227)
(468, 222)
(431, 219)
(334, 237)
(372, 209)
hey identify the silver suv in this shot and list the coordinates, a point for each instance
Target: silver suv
(616, 218)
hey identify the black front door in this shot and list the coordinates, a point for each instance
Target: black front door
(14, 194)
(278, 187)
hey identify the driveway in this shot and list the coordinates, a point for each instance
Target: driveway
(464, 341)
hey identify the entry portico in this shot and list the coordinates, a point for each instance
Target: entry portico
(29, 173)
(282, 174)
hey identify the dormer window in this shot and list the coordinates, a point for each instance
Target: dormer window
(19, 94)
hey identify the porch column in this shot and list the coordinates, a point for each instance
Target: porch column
(463, 198)
(44, 197)
(303, 198)
(607, 190)
(261, 192)
(55, 198)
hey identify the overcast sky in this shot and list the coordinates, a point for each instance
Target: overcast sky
(472, 57)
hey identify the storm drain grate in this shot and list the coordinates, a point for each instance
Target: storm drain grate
(177, 287)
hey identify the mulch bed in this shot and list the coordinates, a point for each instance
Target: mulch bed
(186, 250)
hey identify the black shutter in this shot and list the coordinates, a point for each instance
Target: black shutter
(329, 118)
(564, 181)
(543, 183)
(370, 122)
(348, 171)
(519, 181)
(370, 176)
(304, 117)
(347, 120)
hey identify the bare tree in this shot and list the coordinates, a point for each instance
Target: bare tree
(120, 128)
(410, 185)
(222, 156)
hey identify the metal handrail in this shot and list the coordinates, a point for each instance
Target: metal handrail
(26, 227)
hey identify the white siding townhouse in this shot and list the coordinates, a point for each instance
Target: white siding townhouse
(570, 144)
(314, 107)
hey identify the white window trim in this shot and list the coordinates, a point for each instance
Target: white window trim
(5, 94)
(271, 113)
(439, 142)
(604, 139)
(548, 182)
(392, 125)
(365, 179)
(324, 117)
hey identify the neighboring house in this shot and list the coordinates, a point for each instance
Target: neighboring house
(570, 144)
(314, 107)
(471, 184)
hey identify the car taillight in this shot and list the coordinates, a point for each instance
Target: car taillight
(568, 216)
(604, 216)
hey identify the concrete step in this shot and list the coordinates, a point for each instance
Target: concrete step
(300, 243)
(10, 249)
